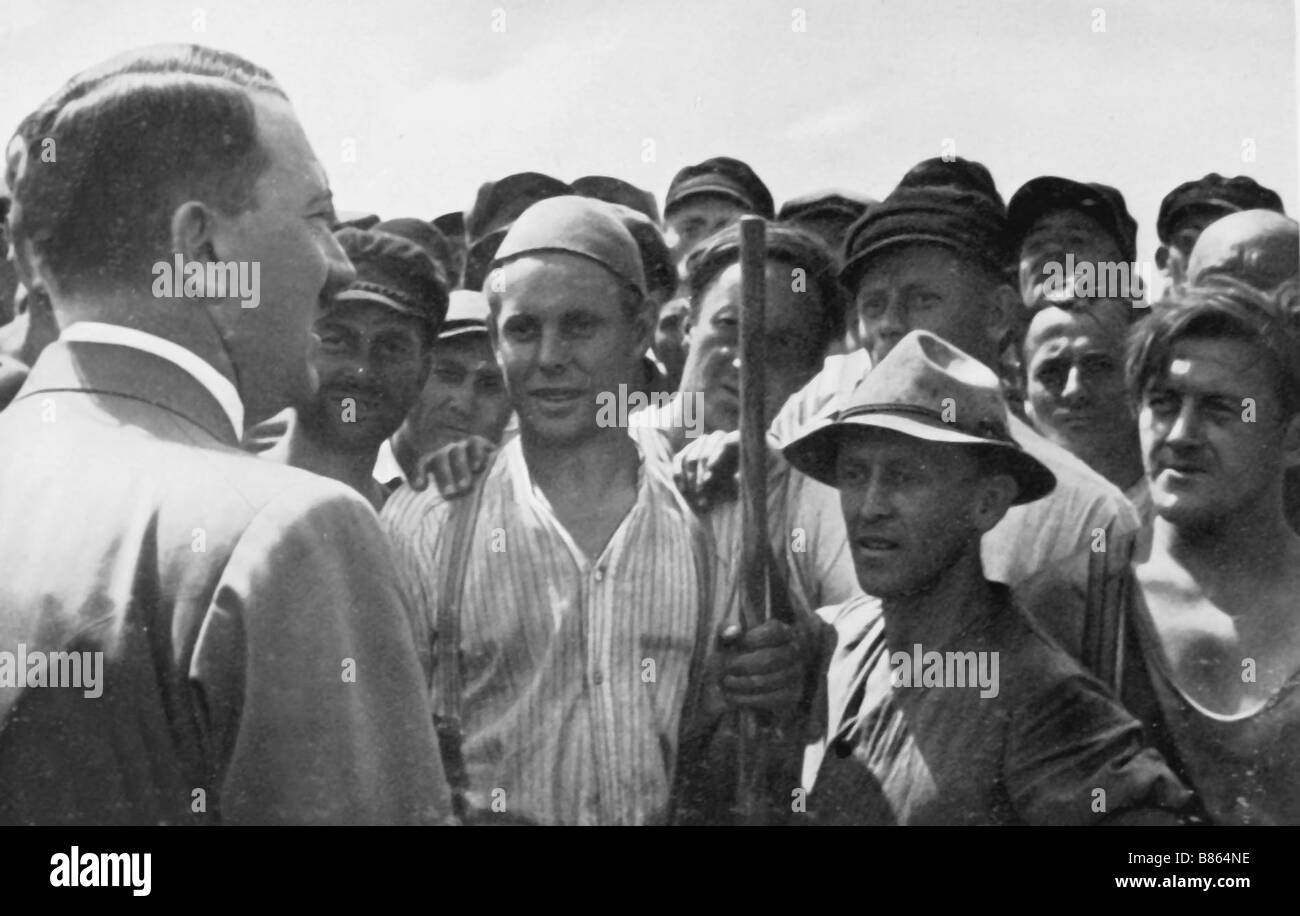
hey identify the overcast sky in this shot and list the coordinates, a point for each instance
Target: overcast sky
(436, 97)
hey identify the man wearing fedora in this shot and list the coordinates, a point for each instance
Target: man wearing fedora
(945, 704)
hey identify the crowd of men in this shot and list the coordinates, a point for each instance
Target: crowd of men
(438, 521)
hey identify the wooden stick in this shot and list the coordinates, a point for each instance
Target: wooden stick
(753, 422)
(753, 494)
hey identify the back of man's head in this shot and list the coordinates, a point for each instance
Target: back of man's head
(98, 170)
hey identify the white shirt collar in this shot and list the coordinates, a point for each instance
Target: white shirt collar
(386, 465)
(204, 373)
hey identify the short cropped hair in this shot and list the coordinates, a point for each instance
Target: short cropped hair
(1225, 308)
(786, 244)
(98, 170)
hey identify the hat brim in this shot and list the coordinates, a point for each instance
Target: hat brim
(816, 450)
(853, 268)
(685, 195)
(365, 295)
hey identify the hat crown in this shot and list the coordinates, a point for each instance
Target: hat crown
(580, 226)
(924, 374)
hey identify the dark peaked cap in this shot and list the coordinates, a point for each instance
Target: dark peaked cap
(427, 236)
(499, 203)
(1214, 193)
(721, 176)
(395, 272)
(956, 173)
(579, 226)
(618, 191)
(968, 222)
(1099, 201)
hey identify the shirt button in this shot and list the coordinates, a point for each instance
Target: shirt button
(600, 574)
(598, 678)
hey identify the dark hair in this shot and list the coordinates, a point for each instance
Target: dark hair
(786, 244)
(1226, 308)
(97, 170)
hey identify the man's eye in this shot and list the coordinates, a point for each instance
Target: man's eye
(449, 376)
(851, 476)
(1162, 403)
(872, 308)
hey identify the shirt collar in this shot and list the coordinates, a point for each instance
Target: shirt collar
(387, 467)
(204, 373)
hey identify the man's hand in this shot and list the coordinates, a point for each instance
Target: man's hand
(706, 470)
(454, 467)
(765, 667)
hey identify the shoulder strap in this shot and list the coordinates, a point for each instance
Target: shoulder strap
(455, 555)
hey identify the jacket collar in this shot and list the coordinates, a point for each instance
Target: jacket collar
(112, 369)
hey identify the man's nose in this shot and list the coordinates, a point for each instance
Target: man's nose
(553, 352)
(1073, 389)
(892, 322)
(874, 499)
(1186, 427)
(339, 270)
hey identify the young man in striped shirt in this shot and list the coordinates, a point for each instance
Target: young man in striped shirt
(585, 609)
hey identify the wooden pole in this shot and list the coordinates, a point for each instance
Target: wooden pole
(754, 570)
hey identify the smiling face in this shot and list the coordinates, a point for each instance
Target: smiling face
(792, 336)
(464, 396)
(300, 263)
(912, 508)
(564, 337)
(1075, 389)
(929, 288)
(1205, 461)
(371, 361)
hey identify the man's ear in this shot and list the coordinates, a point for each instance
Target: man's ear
(192, 230)
(643, 326)
(993, 497)
(1291, 442)
(1162, 256)
(426, 364)
(1000, 318)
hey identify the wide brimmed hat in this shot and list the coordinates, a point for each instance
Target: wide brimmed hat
(928, 389)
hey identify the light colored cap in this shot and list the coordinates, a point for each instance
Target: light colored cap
(581, 226)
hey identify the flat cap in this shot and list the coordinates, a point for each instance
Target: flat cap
(827, 213)
(579, 226)
(721, 176)
(956, 173)
(427, 236)
(395, 272)
(1259, 247)
(1214, 193)
(499, 203)
(968, 222)
(617, 191)
(1101, 202)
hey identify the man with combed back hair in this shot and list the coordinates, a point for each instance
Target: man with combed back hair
(242, 650)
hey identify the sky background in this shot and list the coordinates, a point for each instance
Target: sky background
(434, 97)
